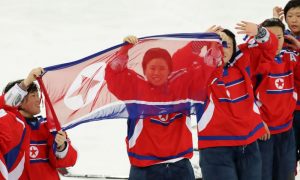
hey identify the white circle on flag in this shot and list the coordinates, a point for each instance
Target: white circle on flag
(94, 74)
(279, 83)
(33, 151)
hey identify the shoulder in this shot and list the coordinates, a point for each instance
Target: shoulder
(9, 124)
(7, 114)
(289, 51)
(2, 113)
(252, 43)
(177, 74)
(290, 54)
(239, 56)
(5, 120)
(42, 121)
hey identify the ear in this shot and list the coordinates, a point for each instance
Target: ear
(169, 71)
(23, 101)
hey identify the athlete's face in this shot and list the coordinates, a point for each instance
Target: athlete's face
(30, 106)
(228, 51)
(293, 20)
(279, 34)
(157, 71)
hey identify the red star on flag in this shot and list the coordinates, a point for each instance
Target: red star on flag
(33, 152)
(86, 84)
(279, 83)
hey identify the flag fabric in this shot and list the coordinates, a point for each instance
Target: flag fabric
(112, 83)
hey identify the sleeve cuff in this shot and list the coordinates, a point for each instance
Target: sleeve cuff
(62, 154)
(263, 35)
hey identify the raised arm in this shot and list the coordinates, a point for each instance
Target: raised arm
(278, 13)
(193, 65)
(261, 47)
(120, 59)
(16, 94)
(121, 81)
(292, 43)
(261, 35)
(197, 52)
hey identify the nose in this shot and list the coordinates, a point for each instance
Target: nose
(38, 99)
(156, 72)
(293, 19)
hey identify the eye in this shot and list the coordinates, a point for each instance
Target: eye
(162, 68)
(34, 94)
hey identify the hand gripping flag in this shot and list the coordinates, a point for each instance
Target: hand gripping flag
(159, 75)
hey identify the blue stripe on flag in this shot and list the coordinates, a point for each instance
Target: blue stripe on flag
(137, 111)
(179, 35)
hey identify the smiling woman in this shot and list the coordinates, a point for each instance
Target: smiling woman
(152, 145)
(157, 66)
(46, 151)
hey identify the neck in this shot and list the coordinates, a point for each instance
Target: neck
(160, 86)
(26, 114)
(295, 33)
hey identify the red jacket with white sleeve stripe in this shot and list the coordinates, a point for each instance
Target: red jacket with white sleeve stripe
(231, 117)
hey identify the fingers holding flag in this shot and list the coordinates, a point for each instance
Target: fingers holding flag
(34, 73)
(131, 39)
(215, 29)
(60, 139)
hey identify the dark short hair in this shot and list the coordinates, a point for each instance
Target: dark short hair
(157, 53)
(31, 88)
(291, 4)
(232, 37)
(273, 22)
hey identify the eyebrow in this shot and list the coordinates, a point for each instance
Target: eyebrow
(291, 13)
